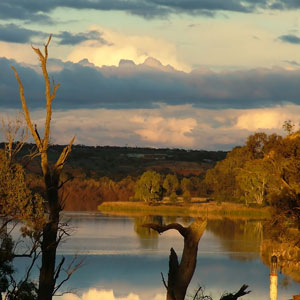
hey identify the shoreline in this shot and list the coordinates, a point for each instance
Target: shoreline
(211, 209)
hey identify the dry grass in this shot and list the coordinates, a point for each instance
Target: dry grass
(195, 209)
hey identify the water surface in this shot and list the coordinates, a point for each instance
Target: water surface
(124, 260)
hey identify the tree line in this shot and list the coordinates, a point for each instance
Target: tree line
(88, 192)
(265, 171)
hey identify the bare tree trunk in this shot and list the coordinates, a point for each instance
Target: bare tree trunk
(180, 274)
(49, 244)
(50, 238)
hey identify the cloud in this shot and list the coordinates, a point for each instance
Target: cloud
(94, 294)
(260, 120)
(130, 47)
(165, 131)
(182, 126)
(292, 62)
(39, 12)
(284, 5)
(31, 11)
(14, 34)
(144, 85)
(67, 38)
(292, 39)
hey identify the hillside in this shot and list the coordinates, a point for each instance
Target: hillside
(120, 162)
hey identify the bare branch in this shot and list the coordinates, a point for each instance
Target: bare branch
(64, 182)
(73, 267)
(55, 87)
(15, 137)
(57, 271)
(26, 111)
(162, 228)
(163, 280)
(63, 156)
(46, 46)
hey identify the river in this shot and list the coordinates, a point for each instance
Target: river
(123, 261)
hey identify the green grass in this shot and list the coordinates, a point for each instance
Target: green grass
(211, 209)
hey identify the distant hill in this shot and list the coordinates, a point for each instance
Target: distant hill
(120, 162)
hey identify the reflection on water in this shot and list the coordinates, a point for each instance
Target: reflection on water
(147, 236)
(288, 259)
(94, 294)
(242, 237)
(123, 259)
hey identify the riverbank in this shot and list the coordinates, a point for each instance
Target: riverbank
(199, 209)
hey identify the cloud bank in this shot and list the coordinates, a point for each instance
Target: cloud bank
(37, 11)
(144, 85)
(166, 126)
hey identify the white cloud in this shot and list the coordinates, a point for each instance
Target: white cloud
(94, 294)
(181, 126)
(169, 131)
(122, 46)
(19, 52)
(271, 118)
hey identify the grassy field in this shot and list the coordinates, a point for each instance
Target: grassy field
(194, 209)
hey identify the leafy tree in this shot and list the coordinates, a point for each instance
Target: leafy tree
(16, 199)
(255, 145)
(254, 180)
(186, 184)
(221, 180)
(17, 202)
(148, 187)
(170, 184)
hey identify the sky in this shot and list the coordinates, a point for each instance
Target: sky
(192, 74)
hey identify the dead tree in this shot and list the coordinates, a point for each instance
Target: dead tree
(51, 174)
(180, 274)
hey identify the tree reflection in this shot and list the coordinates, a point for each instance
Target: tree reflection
(284, 243)
(242, 236)
(147, 236)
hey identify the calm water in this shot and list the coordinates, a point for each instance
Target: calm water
(123, 261)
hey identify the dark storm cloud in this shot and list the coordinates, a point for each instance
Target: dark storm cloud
(142, 86)
(36, 10)
(290, 38)
(67, 38)
(15, 34)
